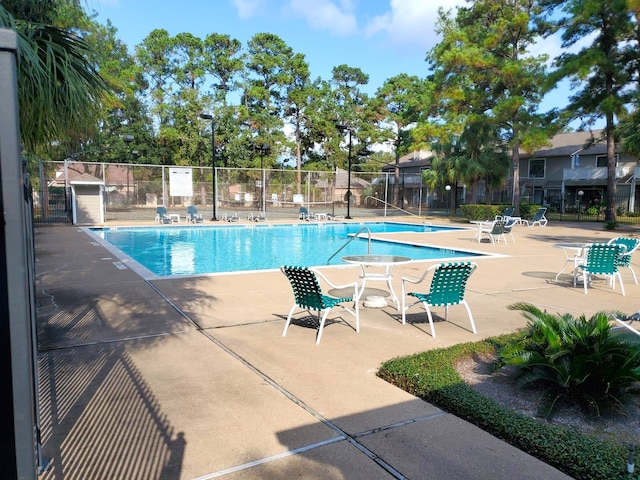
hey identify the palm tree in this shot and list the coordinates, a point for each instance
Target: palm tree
(59, 89)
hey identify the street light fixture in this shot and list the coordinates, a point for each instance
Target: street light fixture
(208, 116)
(342, 128)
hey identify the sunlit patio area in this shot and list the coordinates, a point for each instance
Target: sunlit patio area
(191, 378)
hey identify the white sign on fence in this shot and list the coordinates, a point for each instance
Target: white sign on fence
(180, 182)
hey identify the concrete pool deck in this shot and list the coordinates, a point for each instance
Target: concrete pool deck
(190, 378)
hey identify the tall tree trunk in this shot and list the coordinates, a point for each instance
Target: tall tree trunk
(515, 163)
(610, 211)
(396, 176)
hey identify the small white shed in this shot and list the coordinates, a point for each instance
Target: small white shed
(87, 193)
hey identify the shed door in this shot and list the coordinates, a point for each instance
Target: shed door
(88, 204)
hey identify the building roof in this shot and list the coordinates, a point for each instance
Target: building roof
(342, 180)
(567, 144)
(417, 158)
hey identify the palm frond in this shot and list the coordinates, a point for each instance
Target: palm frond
(58, 87)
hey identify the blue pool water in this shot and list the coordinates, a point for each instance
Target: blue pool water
(168, 251)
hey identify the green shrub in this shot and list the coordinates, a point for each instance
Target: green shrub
(579, 358)
(432, 376)
(481, 212)
(528, 210)
(611, 225)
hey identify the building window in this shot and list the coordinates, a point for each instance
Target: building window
(601, 160)
(537, 167)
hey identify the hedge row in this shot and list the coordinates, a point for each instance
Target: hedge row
(432, 376)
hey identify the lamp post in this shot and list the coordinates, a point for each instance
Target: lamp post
(580, 194)
(282, 180)
(342, 128)
(134, 155)
(448, 189)
(263, 148)
(208, 116)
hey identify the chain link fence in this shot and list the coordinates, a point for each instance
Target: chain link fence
(131, 193)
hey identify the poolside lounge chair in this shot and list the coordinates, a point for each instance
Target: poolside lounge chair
(538, 218)
(308, 296)
(508, 212)
(162, 216)
(230, 218)
(448, 286)
(494, 230)
(303, 214)
(193, 216)
(628, 322)
(257, 217)
(631, 245)
(507, 215)
(601, 259)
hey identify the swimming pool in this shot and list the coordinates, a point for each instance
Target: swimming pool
(194, 250)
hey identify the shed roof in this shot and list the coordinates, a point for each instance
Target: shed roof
(86, 179)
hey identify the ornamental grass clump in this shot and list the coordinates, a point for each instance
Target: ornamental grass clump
(581, 360)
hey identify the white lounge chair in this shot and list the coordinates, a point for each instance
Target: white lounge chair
(162, 216)
(230, 218)
(257, 217)
(193, 216)
(538, 218)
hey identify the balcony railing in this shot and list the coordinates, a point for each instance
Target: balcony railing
(598, 173)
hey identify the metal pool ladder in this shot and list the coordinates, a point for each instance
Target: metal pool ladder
(351, 239)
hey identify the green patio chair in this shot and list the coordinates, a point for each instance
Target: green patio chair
(308, 296)
(448, 286)
(601, 259)
(495, 231)
(508, 226)
(631, 245)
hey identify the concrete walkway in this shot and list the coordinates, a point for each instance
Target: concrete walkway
(190, 378)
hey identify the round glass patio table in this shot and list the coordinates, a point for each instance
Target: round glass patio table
(573, 255)
(384, 262)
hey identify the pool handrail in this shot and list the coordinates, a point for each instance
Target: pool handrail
(351, 239)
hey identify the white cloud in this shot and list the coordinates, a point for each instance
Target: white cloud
(326, 15)
(248, 8)
(410, 22)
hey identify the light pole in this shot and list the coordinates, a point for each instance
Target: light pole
(580, 194)
(342, 128)
(448, 189)
(208, 116)
(263, 148)
(284, 187)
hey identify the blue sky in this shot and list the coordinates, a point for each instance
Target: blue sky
(381, 37)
